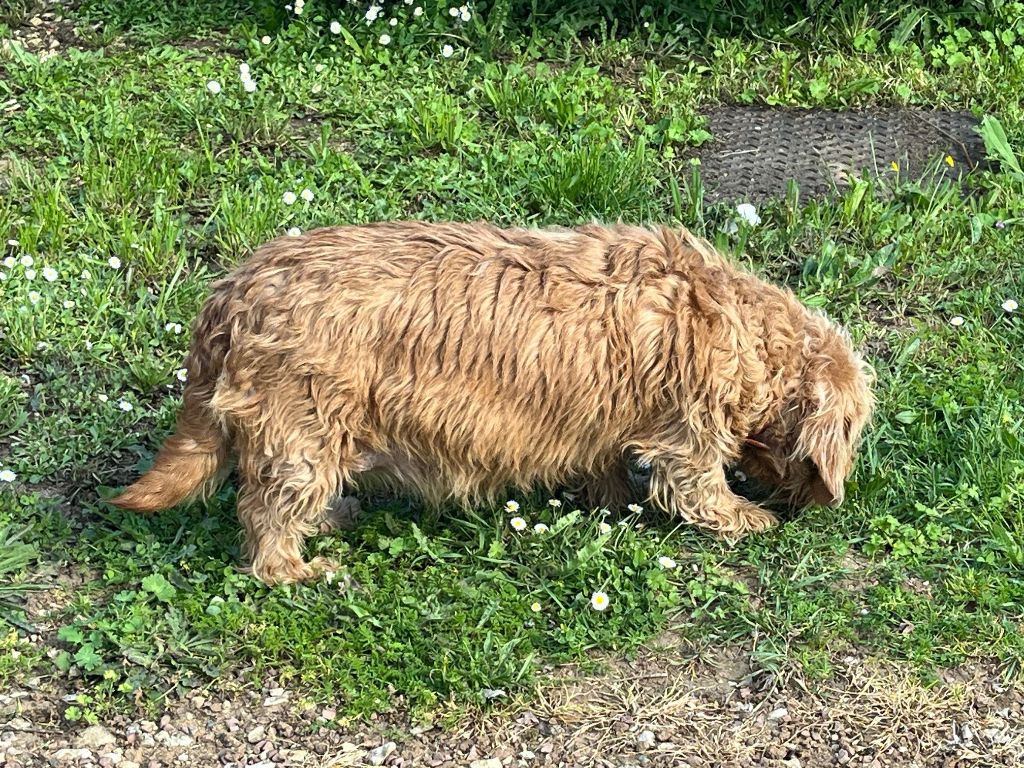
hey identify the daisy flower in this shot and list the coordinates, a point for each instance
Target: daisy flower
(372, 13)
(384, 39)
(540, 528)
(27, 261)
(511, 506)
(7, 476)
(68, 304)
(265, 39)
(114, 263)
(666, 562)
(636, 509)
(453, 11)
(34, 297)
(13, 243)
(294, 232)
(213, 87)
(3, 275)
(599, 601)
(604, 528)
(243, 70)
(417, 11)
(102, 398)
(956, 321)
(289, 198)
(124, 405)
(181, 374)
(464, 13)
(335, 28)
(1009, 305)
(447, 51)
(307, 195)
(554, 503)
(249, 86)
(49, 274)
(517, 523)
(534, 606)
(86, 274)
(10, 261)
(30, 274)
(748, 213)
(392, 22)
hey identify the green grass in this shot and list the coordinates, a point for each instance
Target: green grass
(120, 151)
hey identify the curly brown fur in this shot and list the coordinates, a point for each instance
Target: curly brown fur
(460, 360)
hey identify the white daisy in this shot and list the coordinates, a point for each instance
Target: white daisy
(307, 195)
(335, 28)
(213, 87)
(599, 601)
(748, 213)
(289, 198)
(392, 22)
(30, 274)
(114, 263)
(554, 503)
(447, 51)
(243, 70)
(464, 13)
(534, 606)
(453, 11)
(49, 274)
(10, 261)
(636, 509)
(540, 528)
(956, 321)
(294, 232)
(7, 476)
(517, 523)
(13, 243)
(372, 13)
(102, 398)
(511, 506)
(384, 39)
(181, 374)
(86, 274)
(3, 275)
(604, 528)
(1009, 305)
(417, 11)
(265, 39)
(68, 304)
(666, 562)
(34, 297)
(249, 86)
(27, 261)
(124, 405)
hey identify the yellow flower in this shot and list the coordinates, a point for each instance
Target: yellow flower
(535, 606)
(949, 160)
(895, 166)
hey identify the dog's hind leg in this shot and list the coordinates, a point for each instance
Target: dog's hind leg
(693, 485)
(286, 491)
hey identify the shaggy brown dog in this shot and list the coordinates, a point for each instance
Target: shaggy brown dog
(459, 360)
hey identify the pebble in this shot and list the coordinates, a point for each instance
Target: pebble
(778, 714)
(128, 764)
(72, 755)
(18, 724)
(94, 737)
(256, 735)
(378, 755)
(646, 740)
(491, 762)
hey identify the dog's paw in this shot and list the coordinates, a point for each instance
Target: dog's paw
(342, 515)
(750, 518)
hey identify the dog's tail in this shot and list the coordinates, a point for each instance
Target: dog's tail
(193, 460)
(187, 465)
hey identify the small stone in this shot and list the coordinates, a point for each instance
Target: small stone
(965, 732)
(179, 740)
(72, 755)
(646, 740)
(276, 692)
(94, 737)
(491, 762)
(273, 701)
(526, 755)
(328, 713)
(147, 726)
(256, 735)
(128, 764)
(378, 755)
(35, 21)
(778, 714)
(18, 724)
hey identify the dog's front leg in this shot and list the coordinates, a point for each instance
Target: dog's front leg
(692, 484)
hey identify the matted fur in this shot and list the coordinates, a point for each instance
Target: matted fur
(461, 360)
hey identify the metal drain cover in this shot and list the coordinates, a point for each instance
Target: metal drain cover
(756, 151)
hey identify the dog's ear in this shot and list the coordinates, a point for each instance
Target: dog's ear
(827, 438)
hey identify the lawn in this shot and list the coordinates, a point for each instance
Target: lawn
(136, 166)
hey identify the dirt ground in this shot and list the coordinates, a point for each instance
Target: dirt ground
(663, 708)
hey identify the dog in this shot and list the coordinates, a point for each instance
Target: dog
(459, 361)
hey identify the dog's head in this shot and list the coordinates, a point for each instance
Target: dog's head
(806, 453)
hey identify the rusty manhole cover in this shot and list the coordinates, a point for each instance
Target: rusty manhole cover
(756, 151)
